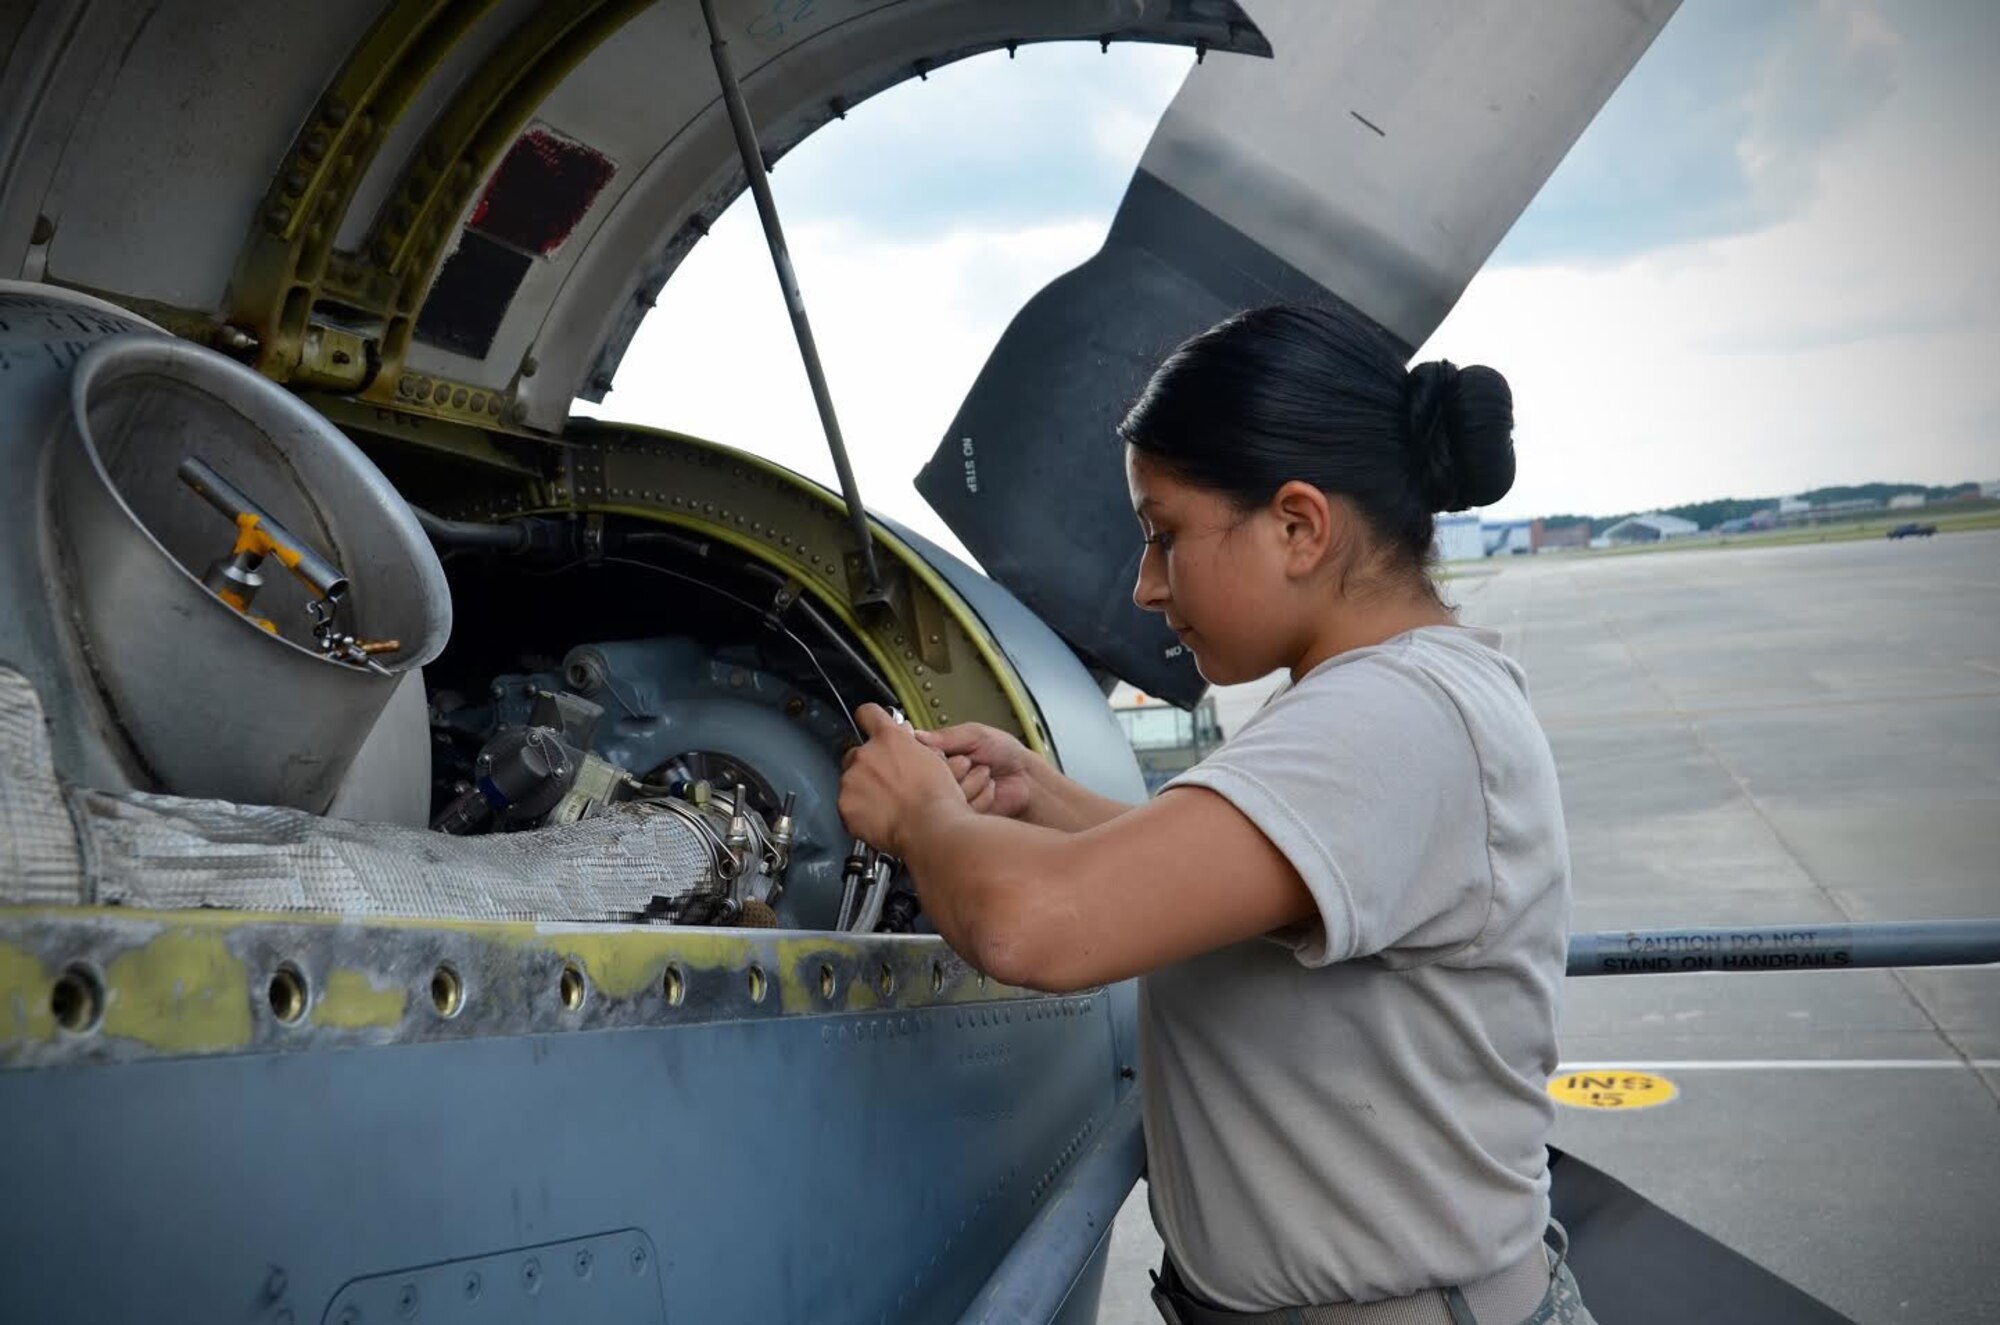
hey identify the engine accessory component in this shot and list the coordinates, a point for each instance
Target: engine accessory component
(596, 785)
(575, 717)
(899, 913)
(519, 777)
(770, 619)
(205, 702)
(678, 715)
(783, 829)
(864, 888)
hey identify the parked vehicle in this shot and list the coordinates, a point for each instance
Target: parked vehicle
(1913, 530)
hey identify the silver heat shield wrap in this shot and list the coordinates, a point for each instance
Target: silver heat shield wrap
(168, 852)
(39, 862)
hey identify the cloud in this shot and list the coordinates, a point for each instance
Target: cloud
(1849, 340)
(1050, 135)
(1720, 130)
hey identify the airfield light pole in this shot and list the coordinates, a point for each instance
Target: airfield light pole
(774, 236)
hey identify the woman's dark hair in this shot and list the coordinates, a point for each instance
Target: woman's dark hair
(1321, 395)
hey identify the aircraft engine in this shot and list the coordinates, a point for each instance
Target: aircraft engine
(286, 657)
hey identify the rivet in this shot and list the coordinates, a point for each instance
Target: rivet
(278, 217)
(638, 1260)
(472, 1285)
(584, 1261)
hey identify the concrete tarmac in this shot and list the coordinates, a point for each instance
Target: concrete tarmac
(1755, 736)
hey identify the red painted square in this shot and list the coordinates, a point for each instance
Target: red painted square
(541, 191)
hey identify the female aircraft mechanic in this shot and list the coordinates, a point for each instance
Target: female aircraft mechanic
(1351, 919)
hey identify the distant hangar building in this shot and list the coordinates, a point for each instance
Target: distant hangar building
(1459, 538)
(1649, 529)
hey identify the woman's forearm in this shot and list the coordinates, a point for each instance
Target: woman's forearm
(985, 883)
(1061, 803)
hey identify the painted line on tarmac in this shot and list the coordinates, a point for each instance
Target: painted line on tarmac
(1779, 1065)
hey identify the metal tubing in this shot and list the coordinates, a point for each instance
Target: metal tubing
(774, 236)
(326, 579)
(1046, 1262)
(1786, 948)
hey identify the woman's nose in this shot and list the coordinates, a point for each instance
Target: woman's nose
(1149, 592)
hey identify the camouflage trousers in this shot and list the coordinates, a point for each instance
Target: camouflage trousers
(1562, 1306)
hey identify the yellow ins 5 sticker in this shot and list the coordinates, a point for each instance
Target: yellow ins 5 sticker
(1611, 1088)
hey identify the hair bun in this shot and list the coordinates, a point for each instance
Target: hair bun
(1461, 434)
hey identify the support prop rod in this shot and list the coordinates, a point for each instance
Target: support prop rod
(774, 236)
(1807, 947)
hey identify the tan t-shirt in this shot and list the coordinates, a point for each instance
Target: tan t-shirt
(1357, 1109)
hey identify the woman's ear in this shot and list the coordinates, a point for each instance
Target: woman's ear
(1305, 519)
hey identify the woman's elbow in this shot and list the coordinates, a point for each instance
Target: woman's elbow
(1017, 947)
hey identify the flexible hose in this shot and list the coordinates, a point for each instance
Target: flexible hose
(466, 533)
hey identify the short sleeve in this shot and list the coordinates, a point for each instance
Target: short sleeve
(1366, 778)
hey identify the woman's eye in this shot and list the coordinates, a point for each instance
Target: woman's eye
(1162, 540)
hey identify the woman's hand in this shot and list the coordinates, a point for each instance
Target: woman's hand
(892, 781)
(994, 770)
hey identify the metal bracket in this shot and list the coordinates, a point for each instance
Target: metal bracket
(411, 233)
(289, 265)
(288, 253)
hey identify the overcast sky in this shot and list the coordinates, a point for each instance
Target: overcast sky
(1768, 266)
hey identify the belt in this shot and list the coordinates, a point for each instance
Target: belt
(1505, 1297)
